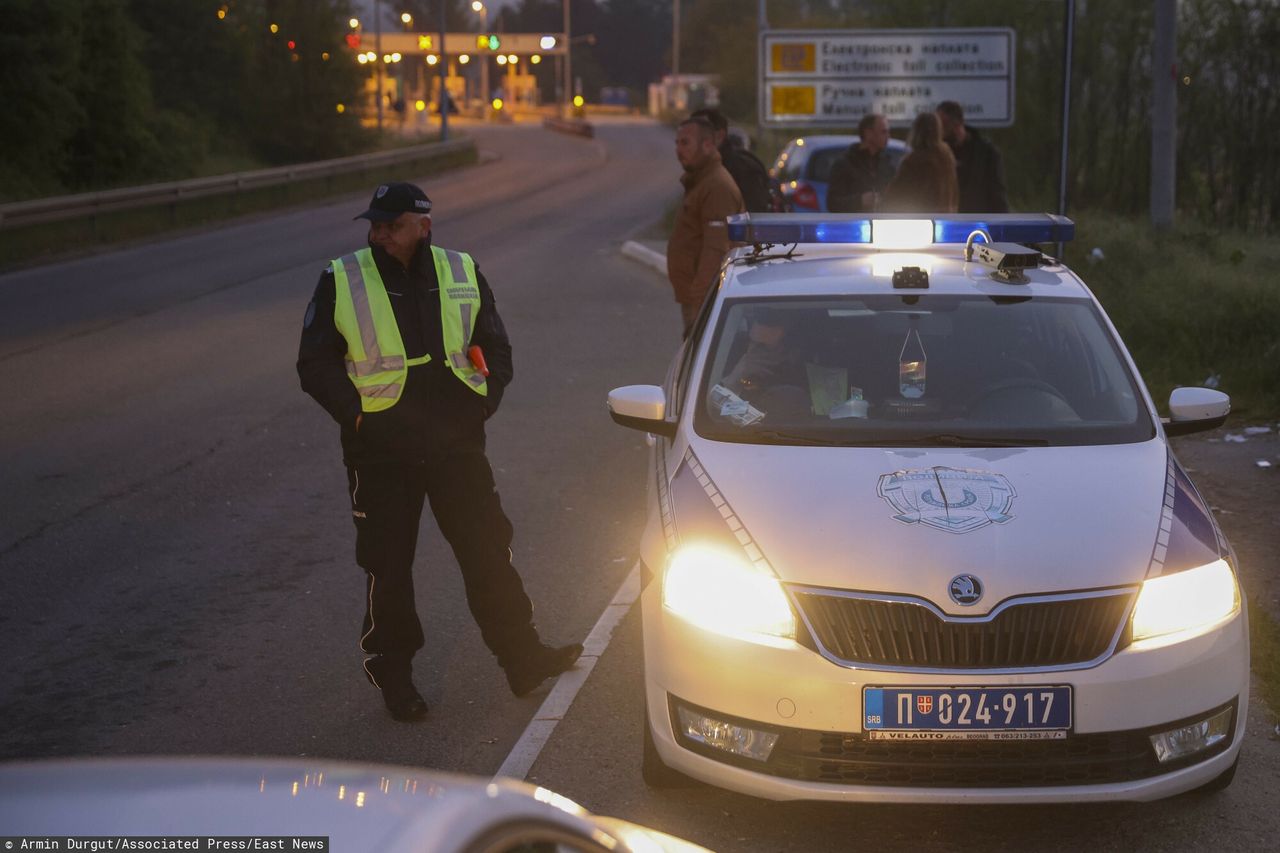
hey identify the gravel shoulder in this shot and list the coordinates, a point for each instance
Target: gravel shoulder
(1244, 497)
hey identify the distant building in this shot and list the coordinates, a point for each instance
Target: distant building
(684, 93)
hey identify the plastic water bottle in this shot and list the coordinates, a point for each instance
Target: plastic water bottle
(911, 367)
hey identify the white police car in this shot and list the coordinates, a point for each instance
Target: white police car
(916, 533)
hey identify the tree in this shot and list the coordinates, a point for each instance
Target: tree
(39, 74)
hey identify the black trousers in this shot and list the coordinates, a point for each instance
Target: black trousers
(386, 504)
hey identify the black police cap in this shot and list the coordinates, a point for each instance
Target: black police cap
(391, 200)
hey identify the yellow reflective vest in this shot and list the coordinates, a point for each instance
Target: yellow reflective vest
(376, 362)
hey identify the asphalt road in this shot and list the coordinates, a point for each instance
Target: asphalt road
(177, 561)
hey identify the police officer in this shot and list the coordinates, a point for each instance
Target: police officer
(403, 346)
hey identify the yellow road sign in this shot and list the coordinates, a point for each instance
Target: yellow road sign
(793, 100)
(790, 58)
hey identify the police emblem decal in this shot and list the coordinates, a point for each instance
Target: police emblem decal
(382, 190)
(957, 500)
(965, 590)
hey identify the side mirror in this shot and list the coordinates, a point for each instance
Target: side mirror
(1195, 410)
(641, 407)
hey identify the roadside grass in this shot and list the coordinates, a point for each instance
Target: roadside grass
(79, 236)
(1264, 652)
(1190, 304)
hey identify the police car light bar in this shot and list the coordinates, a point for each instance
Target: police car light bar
(898, 230)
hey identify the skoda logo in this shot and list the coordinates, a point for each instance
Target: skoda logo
(965, 589)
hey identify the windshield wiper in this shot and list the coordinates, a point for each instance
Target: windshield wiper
(948, 439)
(768, 436)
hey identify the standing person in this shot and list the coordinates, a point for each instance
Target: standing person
(861, 175)
(979, 167)
(745, 168)
(700, 239)
(926, 179)
(394, 346)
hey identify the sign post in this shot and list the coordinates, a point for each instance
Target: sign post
(834, 77)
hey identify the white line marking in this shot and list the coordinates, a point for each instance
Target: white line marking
(556, 705)
(656, 261)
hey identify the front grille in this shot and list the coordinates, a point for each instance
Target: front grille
(1037, 633)
(854, 760)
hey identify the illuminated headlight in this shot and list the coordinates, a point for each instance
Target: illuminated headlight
(1185, 600)
(724, 593)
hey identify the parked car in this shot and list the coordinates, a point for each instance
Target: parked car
(916, 532)
(803, 168)
(356, 807)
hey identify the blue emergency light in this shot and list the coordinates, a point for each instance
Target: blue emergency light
(898, 230)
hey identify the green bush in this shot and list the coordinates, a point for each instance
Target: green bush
(1190, 304)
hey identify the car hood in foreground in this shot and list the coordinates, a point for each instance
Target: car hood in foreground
(359, 807)
(909, 520)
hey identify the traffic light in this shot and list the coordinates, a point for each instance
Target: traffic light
(488, 42)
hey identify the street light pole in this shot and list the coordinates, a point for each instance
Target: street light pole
(568, 67)
(377, 46)
(477, 6)
(443, 100)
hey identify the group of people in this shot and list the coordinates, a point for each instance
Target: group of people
(951, 168)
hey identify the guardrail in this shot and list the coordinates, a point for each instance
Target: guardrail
(59, 208)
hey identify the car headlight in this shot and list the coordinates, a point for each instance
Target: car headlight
(724, 593)
(1186, 600)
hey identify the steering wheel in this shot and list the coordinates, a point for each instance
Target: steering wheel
(1012, 389)
(783, 401)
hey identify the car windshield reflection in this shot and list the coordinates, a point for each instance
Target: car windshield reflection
(942, 371)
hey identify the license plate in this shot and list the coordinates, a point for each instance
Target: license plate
(1026, 712)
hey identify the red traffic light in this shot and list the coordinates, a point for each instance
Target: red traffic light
(292, 44)
(353, 40)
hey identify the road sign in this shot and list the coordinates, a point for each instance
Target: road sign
(834, 77)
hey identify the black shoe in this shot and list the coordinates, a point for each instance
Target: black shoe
(398, 693)
(545, 662)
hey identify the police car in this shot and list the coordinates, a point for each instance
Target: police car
(916, 534)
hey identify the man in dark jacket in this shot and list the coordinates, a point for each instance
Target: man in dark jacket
(979, 167)
(860, 176)
(403, 346)
(745, 168)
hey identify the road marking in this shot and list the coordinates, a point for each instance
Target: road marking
(557, 703)
(641, 253)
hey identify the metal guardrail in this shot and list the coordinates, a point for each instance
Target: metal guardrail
(59, 208)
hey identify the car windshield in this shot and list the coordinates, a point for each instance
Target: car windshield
(893, 370)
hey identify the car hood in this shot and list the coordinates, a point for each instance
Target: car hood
(356, 806)
(909, 520)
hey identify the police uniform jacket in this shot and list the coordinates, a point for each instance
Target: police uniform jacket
(436, 412)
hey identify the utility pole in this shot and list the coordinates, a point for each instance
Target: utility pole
(1068, 46)
(443, 100)
(1164, 114)
(377, 46)
(675, 41)
(568, 66)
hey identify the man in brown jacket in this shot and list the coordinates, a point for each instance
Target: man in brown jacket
(700, 239)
